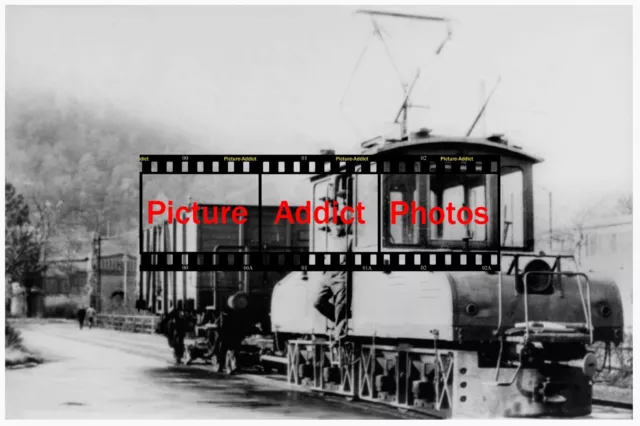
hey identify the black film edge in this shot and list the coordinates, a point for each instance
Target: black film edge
(320, 261)
(318, 164)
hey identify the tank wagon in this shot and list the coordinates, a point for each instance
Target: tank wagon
(513, 341)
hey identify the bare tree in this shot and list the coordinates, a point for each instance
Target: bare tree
(45, 220)
(625, 204)
(575, 234)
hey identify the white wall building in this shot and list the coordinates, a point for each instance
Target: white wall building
(608, 248)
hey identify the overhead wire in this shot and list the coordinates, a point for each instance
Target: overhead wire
(353, 74)
(378, 32)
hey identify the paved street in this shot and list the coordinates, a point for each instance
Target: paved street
(103, 374)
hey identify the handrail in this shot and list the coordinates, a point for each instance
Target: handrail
(587, 308)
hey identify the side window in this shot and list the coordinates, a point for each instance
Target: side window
(478, 198)
(459, 191)
(512, 212)
(323, 191)
(367, 194)
(455, 196)
(404, 189)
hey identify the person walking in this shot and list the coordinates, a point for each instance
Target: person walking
(178, 326)
(91, 316)
(81, 314)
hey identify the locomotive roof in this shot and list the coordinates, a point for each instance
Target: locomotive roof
(423, 139)
(492, 144)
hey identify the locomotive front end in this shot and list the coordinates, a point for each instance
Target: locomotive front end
(512, 340)
(534, 341)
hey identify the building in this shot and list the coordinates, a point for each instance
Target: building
(116, 291)
(609, 243)
(606, 247)
(65, 284)
(63, 289)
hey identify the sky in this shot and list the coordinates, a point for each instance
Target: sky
(284, 79)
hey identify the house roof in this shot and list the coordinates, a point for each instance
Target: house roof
(609, 221)
(62, 267)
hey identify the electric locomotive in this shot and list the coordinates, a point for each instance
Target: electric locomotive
(511, 341)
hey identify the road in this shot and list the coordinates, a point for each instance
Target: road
(104, 374)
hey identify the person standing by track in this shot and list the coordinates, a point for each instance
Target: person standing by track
(334, 299)
(80, 315)
(177, 331)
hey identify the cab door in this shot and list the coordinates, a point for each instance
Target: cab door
(323, 191)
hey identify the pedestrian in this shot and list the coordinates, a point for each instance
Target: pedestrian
(91, 316)
(82, 312)
(178, 333)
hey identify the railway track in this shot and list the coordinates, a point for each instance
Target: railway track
(157, 350)
(613, 404)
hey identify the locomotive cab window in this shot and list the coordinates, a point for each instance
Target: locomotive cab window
(456, 212)
(403, 196)
(366, 233)
(463, 200)
(512, 216)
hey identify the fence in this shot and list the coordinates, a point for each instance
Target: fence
(616, 367)
(130, 323)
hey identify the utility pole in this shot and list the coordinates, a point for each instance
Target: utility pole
(550, 219)
(125, 260)
(93, 280)
(550, 222)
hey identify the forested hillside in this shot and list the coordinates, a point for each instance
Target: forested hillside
(82, 159)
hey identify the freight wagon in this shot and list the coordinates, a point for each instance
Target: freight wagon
(162, 291)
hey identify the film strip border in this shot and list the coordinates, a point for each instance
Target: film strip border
(318, 164)
(319, 261)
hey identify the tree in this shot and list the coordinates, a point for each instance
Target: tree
(22, 239)
(625, 204)
(575, 235)
(22, 252)
(16, 208)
